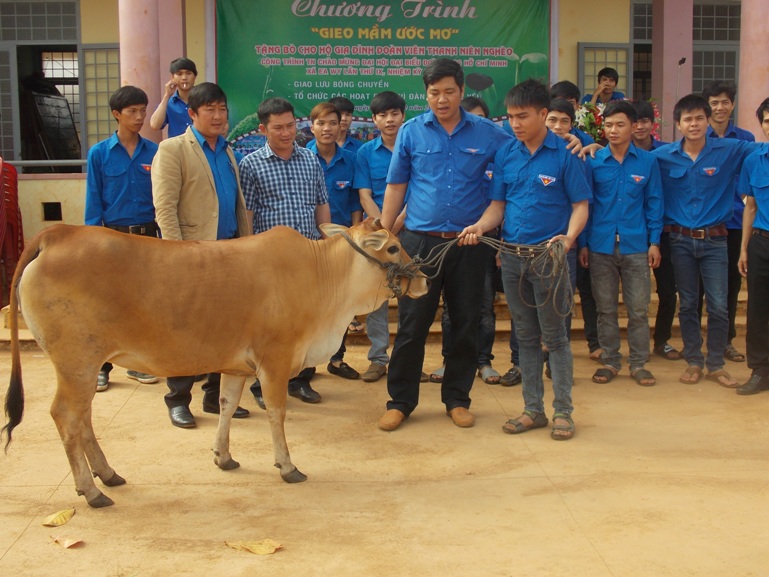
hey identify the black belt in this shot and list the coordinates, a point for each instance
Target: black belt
(147, 229)
(698, 233)
(453, 234)
(761, 232)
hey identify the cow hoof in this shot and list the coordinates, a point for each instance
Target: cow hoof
(114, 481)
(101, 501)
(228, 465)
(295, 476)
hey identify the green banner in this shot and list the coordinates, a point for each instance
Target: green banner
(308, 51)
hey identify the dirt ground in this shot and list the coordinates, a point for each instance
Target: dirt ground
(671, 480)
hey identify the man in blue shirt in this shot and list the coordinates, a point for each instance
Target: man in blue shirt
(697, 184)
(667, 295)
(118, 192)
(440, 157)
(623, 241)
(540, 195)
(344, 202)
(346, 110)
(197, 196)
(721, 97)
(754, 182)
(284, 185)
(373, 161)
(604, 93)
(173, 110)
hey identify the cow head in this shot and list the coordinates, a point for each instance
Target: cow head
(383, 248)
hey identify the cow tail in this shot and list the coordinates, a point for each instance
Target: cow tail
(14, 398)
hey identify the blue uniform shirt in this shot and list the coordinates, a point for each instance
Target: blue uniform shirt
(177, 116)
(538, 189)
(352, 145)
(584, 138)
(343, 198)
(700, 194)
(627, 200)
(372, 164)
(118, 188)
(754, 181)
(614, 96)
(226, 183)
(739, 206)
(444, 172)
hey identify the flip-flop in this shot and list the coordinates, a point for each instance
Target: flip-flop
(641, 375)
(734, 355)
(604, 375)
(437, 375)
(667, 352)
(595, 356)
(694, 373)
(489, 375)
(716, 377)
(355, 327)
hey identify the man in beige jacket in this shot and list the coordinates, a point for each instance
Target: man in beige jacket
(197, 196)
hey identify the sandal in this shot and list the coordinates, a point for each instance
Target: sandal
(562, 432)
(437, 375)
(667, 352)
(515, 426)
(722, 378)
(511, 377)
(355, 327)
(734, 355)
(691, 375)
(489, 375)
(596, 356)
(643, 377)
(604, 375)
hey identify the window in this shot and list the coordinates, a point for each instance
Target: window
(593, 57)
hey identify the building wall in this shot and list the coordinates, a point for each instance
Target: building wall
(35, 189)
(582, 21)
(99, 21)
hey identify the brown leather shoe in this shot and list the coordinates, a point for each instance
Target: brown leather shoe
(461, 417)
(391, 420)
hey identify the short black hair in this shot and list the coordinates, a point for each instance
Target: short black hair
(473, 102)
(565, 89)
(643, 109)
(562, 106)
(689, 103)
(608, 72)
(205, 93)
(273, 106)
(126, 96)
(620, 107)
(342, 104)
(183, 64)
(720, 87)
(441, 68)
(763, 107)
(528, 93)
(387, 100)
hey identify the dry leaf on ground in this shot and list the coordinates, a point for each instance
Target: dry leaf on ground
(58, 518)
(66, 542)
(263, 547)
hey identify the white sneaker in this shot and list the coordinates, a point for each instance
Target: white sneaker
(142, 377)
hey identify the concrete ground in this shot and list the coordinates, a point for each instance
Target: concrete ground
(671, 480)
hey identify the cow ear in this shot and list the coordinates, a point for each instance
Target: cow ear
(330, 229)
(376, 240)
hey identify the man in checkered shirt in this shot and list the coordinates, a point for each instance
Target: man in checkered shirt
(283, 185)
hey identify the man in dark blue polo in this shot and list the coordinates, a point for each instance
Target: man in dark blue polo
(698, 190)
(541, 193)
(440, 157)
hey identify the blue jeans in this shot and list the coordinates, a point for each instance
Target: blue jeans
(379, 334)
(606, 271)
(538, 318)
(707, 259)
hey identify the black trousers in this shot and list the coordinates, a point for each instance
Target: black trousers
(303, 378)
(757, 338)
(589, 308)
(666, 293)
(461, 279)
(180, 390)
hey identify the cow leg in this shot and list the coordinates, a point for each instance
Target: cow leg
(69, 409)
(95, 456)
(275, 391)
(230, 391)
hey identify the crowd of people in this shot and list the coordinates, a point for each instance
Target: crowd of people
(535, 204)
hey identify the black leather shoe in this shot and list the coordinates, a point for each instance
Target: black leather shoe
(305, 393)
(343, 370)
(240, 412)
(257, 392)
(755, 384)
(182, 417)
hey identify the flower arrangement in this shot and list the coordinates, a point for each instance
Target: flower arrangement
(657, 122)
(589, 118)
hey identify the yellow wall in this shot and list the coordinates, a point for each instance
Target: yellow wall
(99, 21)
(195, 36)
(36, 189)
(581, 21)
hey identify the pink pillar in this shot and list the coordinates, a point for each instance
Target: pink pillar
(671, 41)
(754, 67)
(172, 37)
(140, 53)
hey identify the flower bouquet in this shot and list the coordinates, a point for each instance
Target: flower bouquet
(589, 118)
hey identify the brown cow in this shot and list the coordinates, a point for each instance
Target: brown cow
(269, 305)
